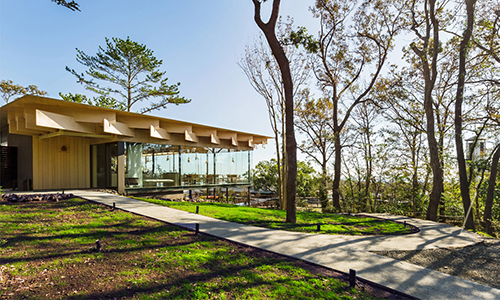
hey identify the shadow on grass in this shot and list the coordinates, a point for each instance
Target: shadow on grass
(183, 287)
(360, 225)
(96, 232)
(86, 248)
(312, 227)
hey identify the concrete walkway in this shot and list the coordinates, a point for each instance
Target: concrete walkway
(337, 251)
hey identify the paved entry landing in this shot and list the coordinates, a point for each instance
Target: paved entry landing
(337, 251)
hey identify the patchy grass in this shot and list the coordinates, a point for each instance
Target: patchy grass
(306, 221)
(46, 252)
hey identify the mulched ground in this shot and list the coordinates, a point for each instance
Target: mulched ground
(479, 263)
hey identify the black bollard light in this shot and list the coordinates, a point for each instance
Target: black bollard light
(318, 227)
(352, 278)
(197, 208)
(197, 228)
(114, 206)
(404, 223)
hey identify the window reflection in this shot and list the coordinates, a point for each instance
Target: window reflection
(157, 166)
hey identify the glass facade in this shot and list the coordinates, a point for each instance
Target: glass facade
(165, 166)
(104, 165)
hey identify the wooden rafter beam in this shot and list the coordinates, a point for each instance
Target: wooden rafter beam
(204, 131)
(43, 116)
(139, 122)
(208, 132)
(117, 128)
(159, 133)
(93, 116)
(30, 124)
(231, 136)
(214, 139)
(190, 137)
(176, 128)
(58, 121)
(13, 130)
(75, 134)
(260, 140)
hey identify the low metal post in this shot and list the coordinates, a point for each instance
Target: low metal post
(197, 208)
(352, 278)
(318, 227)
(197, 228)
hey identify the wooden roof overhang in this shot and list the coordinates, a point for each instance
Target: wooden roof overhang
(46, 118)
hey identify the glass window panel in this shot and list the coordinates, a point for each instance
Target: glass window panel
(194, 165)
(153, 166)
(133, 165)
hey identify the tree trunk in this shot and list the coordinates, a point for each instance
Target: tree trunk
(430, 75)
(491, 191)
(476, 198)
(442, 204)
(280, 174)
(291, 145)
(323, 191)
(414, 180)
(369, 167)
(437, 172)
(337, 172)
(462, 168)
(283, 161)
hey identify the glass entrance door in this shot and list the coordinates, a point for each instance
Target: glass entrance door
(104, 165)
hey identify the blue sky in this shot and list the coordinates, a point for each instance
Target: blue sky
(198, 41)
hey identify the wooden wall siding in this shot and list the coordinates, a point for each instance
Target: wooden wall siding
(54, 168)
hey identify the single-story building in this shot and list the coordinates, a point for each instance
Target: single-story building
(50, 144)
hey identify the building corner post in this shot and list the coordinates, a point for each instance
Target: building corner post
(121, 168)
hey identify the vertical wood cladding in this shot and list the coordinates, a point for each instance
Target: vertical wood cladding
(61, 163)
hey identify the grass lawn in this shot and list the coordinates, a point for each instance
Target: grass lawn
(275, 219)
(46, 253)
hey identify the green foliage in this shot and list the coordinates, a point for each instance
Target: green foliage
(301, 37)
(265, 177)
(101, 101)
(314, 119)
(496, 203)
(68, 4)
(9, 90)
(307, 183)
(133, 72)
(231, 196)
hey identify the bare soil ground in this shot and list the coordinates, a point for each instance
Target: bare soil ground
(479, 263)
